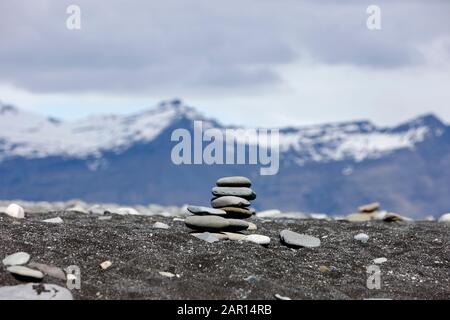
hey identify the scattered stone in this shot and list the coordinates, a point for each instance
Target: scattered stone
(206, 236)
(294, 239)
(259, 239)
(160, 225)
(124, 212)
(252, 279)
(51, 271)
(98, 210)
(15, 211)
(201, 211)
(392, 217)
(268, 214)
(167, 274)
(324, 269)
(362, 237)
(252, 226)
(245, 193)
(234, 182)
(33, 291)
(445, 218)
(25, 272)
(359, 217)
(106, 265)
(56, 220)
(229, 201)
(207, 223)
(379, 260)
(16, 259)
(369, 208)
(237, 225)
(320, 216)
(104, 218)
(235, 236)
(282, 298)
(77, 209)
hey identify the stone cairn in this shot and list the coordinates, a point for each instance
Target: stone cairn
(230, 207)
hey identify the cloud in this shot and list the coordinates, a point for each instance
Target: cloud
(202, 47)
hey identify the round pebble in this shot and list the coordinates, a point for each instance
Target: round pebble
(445, 218)
(15, 211)
(362, 237)
(16, 259)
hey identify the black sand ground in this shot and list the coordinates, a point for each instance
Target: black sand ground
(418, 254)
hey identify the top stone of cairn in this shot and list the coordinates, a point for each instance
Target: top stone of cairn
(234, 182)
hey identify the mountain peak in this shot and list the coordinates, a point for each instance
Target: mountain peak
(428, 120)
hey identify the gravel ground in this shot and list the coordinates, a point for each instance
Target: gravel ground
(417, 267)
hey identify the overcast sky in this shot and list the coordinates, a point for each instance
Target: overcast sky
(253, 62)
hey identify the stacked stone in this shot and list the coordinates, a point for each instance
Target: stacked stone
(230, 207)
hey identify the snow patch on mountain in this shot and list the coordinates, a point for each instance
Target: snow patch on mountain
(29, 135)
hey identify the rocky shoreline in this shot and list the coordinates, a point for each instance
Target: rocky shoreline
(155, 257)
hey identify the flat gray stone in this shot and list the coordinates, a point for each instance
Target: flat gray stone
(51, 271)
(160, 225)
(234, 182)
(206, 236)
(235, 236)
(33, 291)
(201, 211)
(369, 208)
(237, 213)
(229, 201)
(16, 259)
(25, 272)
(258, 239)
(207, 223)
(294, 239)
(245, 193)
(237, 225)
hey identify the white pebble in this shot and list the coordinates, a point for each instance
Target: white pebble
(379, 260)
(362, 237)
(167, 274)
(15, 211)
(256, 238)
(16, 259)
(160, 225)
(56, 220)
(106, 265)
(282, 298)
(445, 218)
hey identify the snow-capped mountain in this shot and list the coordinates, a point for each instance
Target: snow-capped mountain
(33, 136)
(329, 168)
